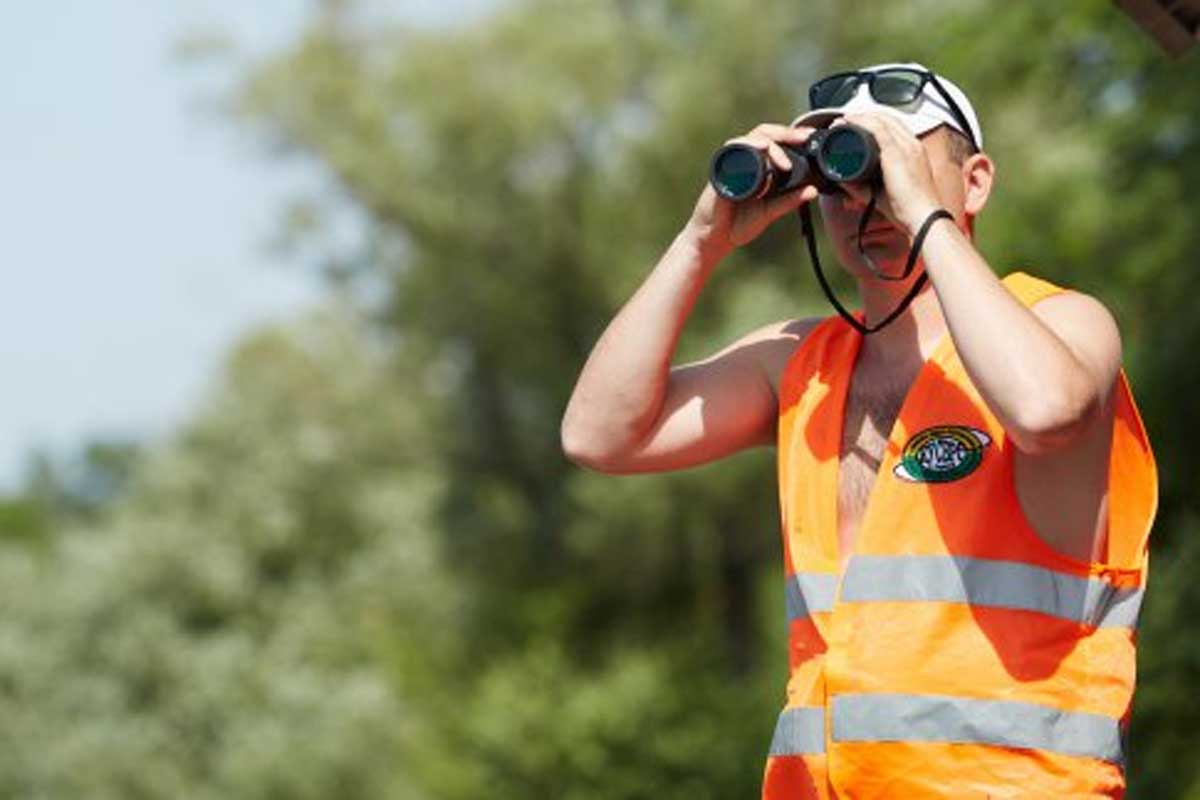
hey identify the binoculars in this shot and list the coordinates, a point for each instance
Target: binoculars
(830, 156)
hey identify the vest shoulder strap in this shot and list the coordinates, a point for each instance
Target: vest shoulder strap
(1133, 474)
(1029, 289)
(828, 339)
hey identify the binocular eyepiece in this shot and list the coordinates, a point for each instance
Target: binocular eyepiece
(830, 156)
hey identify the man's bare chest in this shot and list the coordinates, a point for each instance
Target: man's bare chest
(872, 404)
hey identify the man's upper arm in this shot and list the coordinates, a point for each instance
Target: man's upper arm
(718, 405)
(1088, 330)
(1061, 488)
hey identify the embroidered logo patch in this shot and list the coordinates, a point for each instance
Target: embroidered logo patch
(941, 454)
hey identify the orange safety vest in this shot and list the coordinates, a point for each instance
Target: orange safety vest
(959, 656)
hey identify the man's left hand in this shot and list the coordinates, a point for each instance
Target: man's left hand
(909, 194)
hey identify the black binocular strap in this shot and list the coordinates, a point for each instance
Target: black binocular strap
(806, 226)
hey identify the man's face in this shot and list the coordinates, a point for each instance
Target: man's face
(887, 244)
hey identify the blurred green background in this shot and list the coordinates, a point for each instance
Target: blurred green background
(363, 567)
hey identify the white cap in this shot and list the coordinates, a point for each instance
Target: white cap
(928, 111)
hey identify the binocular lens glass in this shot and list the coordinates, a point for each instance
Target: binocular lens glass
(844, 154)
(737, 172)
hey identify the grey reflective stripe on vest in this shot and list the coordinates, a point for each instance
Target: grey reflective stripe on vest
(799, 731)
(931, 718)
(985, 582)
(808, 593)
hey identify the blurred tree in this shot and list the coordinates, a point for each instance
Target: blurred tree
(80, 486)
(226, 636)
(24, 518)
(365, 569)
(61, 492)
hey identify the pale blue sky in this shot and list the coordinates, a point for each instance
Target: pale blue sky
(132, 226)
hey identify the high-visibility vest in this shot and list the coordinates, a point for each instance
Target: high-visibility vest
(959, 655)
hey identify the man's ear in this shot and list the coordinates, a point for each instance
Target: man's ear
(978, 174)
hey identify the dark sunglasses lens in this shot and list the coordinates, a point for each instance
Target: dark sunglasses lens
(835, 91)
(897, 88)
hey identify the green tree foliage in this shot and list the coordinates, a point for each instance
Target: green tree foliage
(223, 634)
(365, 569)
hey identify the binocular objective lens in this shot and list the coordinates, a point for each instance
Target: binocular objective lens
(844, 154)
(737, 172)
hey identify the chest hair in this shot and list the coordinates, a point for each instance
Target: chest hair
(872, 404)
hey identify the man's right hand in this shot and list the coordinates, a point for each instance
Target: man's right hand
(631, 410)
(718, 225)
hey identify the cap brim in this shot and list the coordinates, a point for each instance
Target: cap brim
(824, 117)
(820, 118)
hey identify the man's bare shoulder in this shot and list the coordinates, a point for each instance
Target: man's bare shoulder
(775, 343)
(1087, 327)
(1074, 303)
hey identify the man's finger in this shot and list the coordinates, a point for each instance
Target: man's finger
(783, 133)
(765, 145)
(875, 125)
(900, 131)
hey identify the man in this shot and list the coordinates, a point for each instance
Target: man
(966, 491)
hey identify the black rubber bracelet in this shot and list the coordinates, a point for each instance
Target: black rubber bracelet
(923, 231)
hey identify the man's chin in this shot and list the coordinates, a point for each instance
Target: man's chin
(887, 257)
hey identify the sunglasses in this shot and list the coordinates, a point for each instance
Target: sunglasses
(895, 86)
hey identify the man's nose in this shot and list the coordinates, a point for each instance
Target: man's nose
(847, 202)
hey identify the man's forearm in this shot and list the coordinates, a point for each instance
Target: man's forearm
(1030, 379)
(620, 391)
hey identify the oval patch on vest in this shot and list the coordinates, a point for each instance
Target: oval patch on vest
(942, 453)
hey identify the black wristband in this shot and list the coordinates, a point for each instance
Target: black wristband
(915, 251)
(923, 231)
